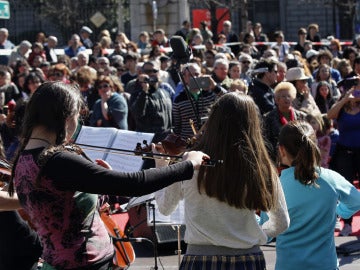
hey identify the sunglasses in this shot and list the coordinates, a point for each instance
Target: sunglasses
(245, 62)
(103, 85)
(148, 71)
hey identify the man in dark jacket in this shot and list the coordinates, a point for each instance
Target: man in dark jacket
(261, 88)
(152, 103)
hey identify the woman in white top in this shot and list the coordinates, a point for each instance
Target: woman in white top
(221, 202)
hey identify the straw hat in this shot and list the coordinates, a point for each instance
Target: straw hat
(295, 74)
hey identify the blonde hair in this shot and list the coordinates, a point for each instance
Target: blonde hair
(238, 84)
(285, 86)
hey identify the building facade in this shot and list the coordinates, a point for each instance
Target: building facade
(335, 17)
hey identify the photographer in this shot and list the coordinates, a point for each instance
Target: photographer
(152, 103)
(196, 103)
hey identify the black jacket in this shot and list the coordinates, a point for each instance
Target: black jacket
(263, 96)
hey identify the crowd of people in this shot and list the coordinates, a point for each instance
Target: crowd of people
(267, 109)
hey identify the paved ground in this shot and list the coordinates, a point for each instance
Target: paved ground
(167, 259)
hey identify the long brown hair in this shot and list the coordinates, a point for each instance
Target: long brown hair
(50, 105)
(247, 179)
(299, 140)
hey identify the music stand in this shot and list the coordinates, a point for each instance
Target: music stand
(146, 199)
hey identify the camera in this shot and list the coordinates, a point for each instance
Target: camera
(151, 80)
(199, 83)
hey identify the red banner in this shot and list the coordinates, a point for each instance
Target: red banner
(199, 15)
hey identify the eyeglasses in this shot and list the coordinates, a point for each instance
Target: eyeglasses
(246, 62)
(148, 71)
(103, 85)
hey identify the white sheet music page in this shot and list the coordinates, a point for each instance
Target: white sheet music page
(175, 218)
(96, 136)
(126, 139)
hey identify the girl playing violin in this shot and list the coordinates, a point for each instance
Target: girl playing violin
(221, 202)
(57, 187)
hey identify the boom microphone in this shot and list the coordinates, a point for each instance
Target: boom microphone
(181, 51)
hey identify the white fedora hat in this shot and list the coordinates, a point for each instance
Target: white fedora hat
(295, 74)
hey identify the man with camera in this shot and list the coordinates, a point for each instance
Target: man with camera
(193, 103)
(152, 105)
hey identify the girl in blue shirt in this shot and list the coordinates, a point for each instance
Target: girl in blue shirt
(314, 196)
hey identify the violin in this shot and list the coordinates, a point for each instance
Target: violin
(124, 251)
(173, 147)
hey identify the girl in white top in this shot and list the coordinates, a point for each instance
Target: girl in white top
(221, 202)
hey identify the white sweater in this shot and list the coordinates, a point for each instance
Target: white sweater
(211, 222)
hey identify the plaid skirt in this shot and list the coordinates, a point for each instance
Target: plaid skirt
(251, 261)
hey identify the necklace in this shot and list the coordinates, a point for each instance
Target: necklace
(40, 139)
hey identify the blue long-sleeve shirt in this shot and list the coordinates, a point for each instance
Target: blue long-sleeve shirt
(309, 241)
(117, 112)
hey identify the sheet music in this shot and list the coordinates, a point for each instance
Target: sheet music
(98, 137)
(127, 140)
(175, 218)
(135, 201)
(124, 163)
